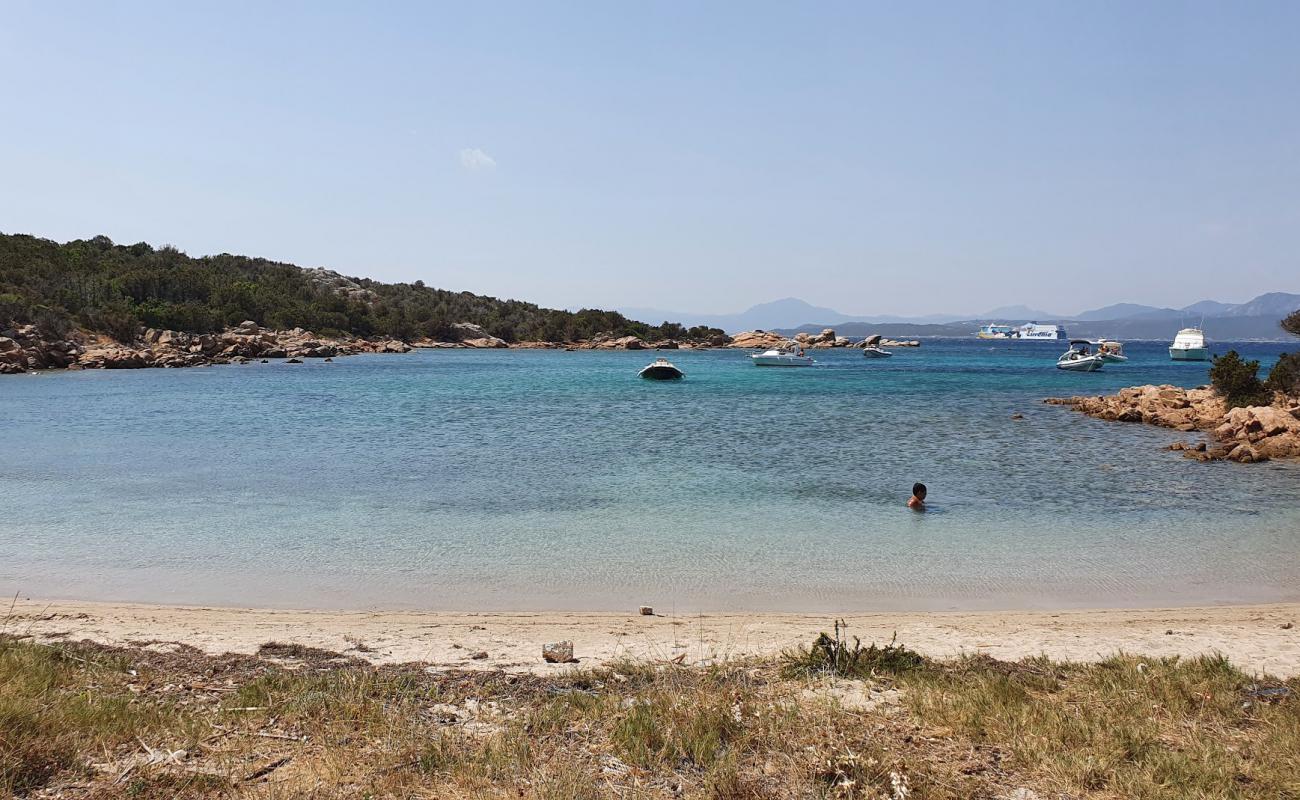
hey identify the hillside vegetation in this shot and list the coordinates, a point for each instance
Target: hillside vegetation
(116, 289)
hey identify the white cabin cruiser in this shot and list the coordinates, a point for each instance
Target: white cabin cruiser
(874, 351)
(1189, 345)
(661, 369)
(790, 356)
(1079, 358)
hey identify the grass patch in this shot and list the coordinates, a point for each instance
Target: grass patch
(57, 704)
(967, 728)
(1127, 726)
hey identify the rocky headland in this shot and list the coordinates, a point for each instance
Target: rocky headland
(25, 348)
(1248, 435)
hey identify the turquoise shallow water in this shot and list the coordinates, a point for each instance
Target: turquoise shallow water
(544, 479)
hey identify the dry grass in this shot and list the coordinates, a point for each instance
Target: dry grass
(79, 720)
(1127, 726)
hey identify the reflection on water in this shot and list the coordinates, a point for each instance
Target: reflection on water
(476, 479)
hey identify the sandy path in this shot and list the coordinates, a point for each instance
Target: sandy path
(1254, 637)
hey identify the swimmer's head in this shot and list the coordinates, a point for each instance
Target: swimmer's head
(918, 491)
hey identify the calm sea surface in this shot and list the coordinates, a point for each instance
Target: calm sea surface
(462, 479)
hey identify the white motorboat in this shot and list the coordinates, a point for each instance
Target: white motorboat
(872, 351)
(661, 369)
(1079, 358)
(782, 357)
(1189, 345)
(1111, 352)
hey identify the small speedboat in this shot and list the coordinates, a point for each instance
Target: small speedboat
(1111, 352)
(661, 369)
(872, 351)
(1079, 358)
(782, 357)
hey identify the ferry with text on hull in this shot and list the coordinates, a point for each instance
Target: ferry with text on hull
(1030, 331)
(661, 369)
(782, 357)
(1079, 358)
(1189, 345)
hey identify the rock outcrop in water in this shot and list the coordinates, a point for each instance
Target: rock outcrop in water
(1251, 434)
(826, 338)
(758, 340)
(876, 340)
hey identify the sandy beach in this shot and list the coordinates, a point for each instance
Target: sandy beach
(1257, 638)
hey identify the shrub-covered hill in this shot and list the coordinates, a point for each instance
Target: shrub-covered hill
(116, 289)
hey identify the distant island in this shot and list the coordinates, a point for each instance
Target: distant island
(1254, 319)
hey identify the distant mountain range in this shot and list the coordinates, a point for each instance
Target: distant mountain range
(1255, 319)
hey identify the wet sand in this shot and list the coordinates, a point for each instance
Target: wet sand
(1256, 637)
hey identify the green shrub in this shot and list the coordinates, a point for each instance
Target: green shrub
(835, 655)
(53, 322)
(12, 308)
(114, 319)
(1284, 377)
(1237, 381)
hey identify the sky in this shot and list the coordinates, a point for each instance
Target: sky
(876, 158)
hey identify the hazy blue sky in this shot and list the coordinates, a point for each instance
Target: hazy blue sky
(899, 158)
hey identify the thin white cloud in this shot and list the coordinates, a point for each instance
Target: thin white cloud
(474, 158)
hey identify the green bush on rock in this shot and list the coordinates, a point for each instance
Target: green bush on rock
(1237, 381)
(1284, 377)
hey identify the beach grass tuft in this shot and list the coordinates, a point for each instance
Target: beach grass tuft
(834, 654)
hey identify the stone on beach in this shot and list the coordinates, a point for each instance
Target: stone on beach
(558, 652)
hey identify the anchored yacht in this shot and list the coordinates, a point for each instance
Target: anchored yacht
(1189, 345)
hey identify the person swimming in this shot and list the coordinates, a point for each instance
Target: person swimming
(917, 501)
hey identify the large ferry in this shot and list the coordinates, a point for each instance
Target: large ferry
(1030, 330)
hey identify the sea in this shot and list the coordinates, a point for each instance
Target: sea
(479, 480)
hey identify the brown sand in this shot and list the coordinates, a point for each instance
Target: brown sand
(1253, 637)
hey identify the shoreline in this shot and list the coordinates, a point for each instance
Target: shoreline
(1257, 638)
(1249, 434)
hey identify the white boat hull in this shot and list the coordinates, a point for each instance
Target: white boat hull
(781, 361)
(875, 352)
(1085, 364)
(1113, 358)
(1188, 354)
